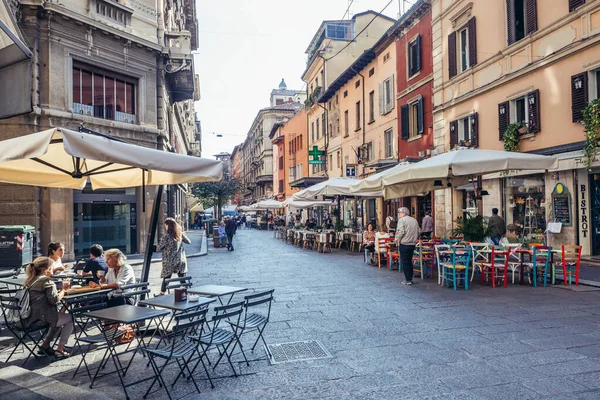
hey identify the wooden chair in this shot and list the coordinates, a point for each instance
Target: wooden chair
(571, 262)
(458, 269)
(496, 266)
(393, 255)
(440, 259)
(356, 242)
(381, 249)
(423, 259)
(537, 269)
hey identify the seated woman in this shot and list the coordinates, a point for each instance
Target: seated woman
(43, 299)
(369, 240)
(119, 274)
(55, 251)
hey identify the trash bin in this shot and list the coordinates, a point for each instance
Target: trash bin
(216, 236)
(16, 245)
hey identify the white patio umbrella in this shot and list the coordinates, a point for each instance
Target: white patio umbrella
(375, 182)
(291, 203)
(267, 205)
(333, 187)
(62, 158)
(458, 166)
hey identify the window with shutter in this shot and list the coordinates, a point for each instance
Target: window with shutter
(503, 118)
(414, 56)
(510, 19)
(579, 95)
(574, 4)
(533, 99)
(381, 106)
(420, 116)
(531, 16)
(453, 134)
(474, 130)
(404, 121)
(472, 42)
(452, 54)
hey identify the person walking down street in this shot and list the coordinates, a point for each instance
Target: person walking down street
(244, 221)
(230, 229)
(407, 235)
(173, 253)
(427, 226)
(497, 227)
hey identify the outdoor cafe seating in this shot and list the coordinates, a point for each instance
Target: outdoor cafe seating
(160, 332)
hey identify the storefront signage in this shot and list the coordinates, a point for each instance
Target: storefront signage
(316, 154)
(583, 215)
(350, 171)
(561, 205)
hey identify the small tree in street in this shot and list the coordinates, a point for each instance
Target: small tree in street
(215, 194)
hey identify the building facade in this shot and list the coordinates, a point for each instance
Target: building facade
(335, 46)
(122, 69)
(532, 64)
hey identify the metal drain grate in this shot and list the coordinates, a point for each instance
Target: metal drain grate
(297, 351)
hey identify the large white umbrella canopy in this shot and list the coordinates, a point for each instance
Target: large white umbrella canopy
(63, 158)
(332, 187)
(291, 203)
(458, 166)
(267, 205)
(375, 182)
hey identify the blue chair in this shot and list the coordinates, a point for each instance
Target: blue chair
(458, 270)
(539, 265)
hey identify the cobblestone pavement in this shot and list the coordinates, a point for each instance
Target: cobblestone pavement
(390, 341)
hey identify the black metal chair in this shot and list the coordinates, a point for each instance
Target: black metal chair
(182, 349)
(34, 331)
(132, 296)
(179, 283)
(219, 338)
(254, 320)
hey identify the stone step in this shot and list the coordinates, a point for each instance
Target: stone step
(24, 384)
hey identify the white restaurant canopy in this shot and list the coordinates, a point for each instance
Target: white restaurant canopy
(291, 203)
(333, 187)
(63, 158)
(458, 166)
(267, 205)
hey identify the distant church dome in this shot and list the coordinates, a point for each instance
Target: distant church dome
(282, 85)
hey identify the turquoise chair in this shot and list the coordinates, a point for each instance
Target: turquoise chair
(458, 270)
(540, 259)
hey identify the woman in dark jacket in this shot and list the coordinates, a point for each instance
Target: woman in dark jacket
(43, 301)
(173, 253)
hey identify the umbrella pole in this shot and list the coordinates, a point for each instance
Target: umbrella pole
(151, 235)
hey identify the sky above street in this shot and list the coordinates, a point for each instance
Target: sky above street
(246, 47)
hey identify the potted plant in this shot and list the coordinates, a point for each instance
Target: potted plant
(591, 124)
(511, 137)
(472, 229)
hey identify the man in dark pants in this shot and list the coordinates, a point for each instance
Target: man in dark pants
(230, 228)
(407, 236)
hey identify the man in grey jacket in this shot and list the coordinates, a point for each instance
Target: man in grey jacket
(407, 235)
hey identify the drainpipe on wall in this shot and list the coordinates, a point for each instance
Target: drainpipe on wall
(364, 133)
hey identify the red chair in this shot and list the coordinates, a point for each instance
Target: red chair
(381, 249)
(497, 264)
(571, 259)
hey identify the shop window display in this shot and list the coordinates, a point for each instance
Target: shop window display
(525, 207)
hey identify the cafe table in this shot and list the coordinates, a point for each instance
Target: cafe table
(18, 281)
(129, 315)
(177, 308)
(217, 291)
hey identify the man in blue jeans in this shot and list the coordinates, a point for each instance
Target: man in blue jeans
(496, 227)
(407, 236)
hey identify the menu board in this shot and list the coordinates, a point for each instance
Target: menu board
(561, 209)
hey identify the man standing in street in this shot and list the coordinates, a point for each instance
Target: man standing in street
(497, 227)
(407, 235)
(427, 226)
(230, 228)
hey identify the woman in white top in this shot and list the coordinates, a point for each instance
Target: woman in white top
(55, 251)
(382, 234)
(119, 274)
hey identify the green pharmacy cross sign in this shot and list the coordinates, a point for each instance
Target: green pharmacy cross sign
(316, 154)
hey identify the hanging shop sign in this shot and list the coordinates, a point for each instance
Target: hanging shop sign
(316, 154)
(561, 205)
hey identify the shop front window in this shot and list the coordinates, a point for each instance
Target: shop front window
(525, 207)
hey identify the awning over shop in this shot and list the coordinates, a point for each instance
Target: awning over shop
(15, 67)
(333, 187)
(291, 203)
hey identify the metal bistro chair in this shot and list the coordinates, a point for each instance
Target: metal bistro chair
(255, 321)
(219, 338)
(494, 268)
(458, 269)
(182, 348)
(356, 242)
(178, 283)
(309, 241)
(133, 296)
(570, 263)
(537, 269)
(34, 332)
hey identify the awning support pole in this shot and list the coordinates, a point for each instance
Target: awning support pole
(152, 234)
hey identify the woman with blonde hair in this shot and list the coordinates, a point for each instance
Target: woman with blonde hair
(119, 274)
(173, 253)
(43, 300)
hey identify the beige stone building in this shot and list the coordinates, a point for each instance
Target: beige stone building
(335, 46)
(123, 69)
(528, 62)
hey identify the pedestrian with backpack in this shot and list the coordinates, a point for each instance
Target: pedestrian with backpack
(43, 300)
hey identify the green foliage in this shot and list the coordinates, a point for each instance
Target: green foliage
(339, 224)
(591, 124)
(472, 229)
(215, 194)
(511, 137)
